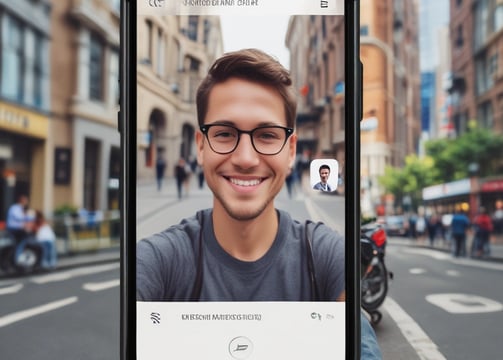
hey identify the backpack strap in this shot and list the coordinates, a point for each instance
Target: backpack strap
(198, 283)
(309, 229)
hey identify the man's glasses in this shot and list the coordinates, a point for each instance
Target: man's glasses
(266, 140)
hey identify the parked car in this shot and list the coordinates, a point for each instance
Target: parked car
(396, 225)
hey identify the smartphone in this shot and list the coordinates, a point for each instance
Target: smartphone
(239, 124)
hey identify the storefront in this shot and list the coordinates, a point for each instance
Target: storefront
(23, 135)
(465, 194)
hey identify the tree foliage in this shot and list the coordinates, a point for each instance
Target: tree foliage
(453, 156)
(416, 174)
(446, 160)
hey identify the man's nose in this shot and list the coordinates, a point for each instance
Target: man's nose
(245, 155)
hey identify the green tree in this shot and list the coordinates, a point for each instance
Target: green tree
(453, 156)
(410, 180)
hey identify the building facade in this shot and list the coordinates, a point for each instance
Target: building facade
(316, 45)
(390, 129)
(85, 144)
(174, 54)
(25, 101)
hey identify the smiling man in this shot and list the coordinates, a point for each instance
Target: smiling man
(243, 248)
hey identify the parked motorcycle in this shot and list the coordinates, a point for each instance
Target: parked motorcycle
(27, 261)
(374, 281)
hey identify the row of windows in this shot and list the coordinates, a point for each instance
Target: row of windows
(25, 67)
(24, 60)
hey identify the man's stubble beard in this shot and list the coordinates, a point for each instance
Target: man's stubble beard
(244, 217)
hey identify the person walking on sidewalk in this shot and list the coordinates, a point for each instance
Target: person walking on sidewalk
(459, 227)
(160, 166)
(483, 229)
(180, 176)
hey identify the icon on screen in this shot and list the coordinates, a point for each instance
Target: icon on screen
(240, 347)
(155, 317)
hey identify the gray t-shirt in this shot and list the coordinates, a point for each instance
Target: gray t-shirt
(166, 265)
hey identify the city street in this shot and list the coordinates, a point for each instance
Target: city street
(437, 307)
(449, 308)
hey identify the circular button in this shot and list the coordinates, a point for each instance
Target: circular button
(240, 347)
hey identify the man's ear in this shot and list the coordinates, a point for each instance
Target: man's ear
(200, 147)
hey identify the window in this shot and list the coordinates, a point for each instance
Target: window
(37, 71)
(192, 30)
(459, 37)
(96, 54)
(207, 30)
(481, 23)
(498, 17)
(113, 90)
(485, 115)
(12, 59)
(160, 54)
(148, 58)
(485, 70)
(24, 59)
(493, 65)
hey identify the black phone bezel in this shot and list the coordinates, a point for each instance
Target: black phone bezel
(127, 129)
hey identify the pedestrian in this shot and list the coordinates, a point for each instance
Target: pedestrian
(289, 183)
(46, 237)
(459, 227)
(498, 217)
(180, 176)
(432, 228)
(421, 227)
(18, 223)
(160, 166)
(483, 228)
(189, 166)
(412, 220)
(200, 176)
(243, 246)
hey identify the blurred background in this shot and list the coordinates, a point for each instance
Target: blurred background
(431, 147)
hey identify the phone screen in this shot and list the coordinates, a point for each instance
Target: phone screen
(240, 211)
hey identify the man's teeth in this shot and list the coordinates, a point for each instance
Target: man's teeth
(245, 182)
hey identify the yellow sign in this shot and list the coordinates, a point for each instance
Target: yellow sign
(23, 121)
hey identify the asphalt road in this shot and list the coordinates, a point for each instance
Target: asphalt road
(70, 314)
(449, 308)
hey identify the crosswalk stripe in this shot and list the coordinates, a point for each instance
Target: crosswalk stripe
(101, 285)
(11, 289)
(65, 275)
(24, 314)
(418, 339)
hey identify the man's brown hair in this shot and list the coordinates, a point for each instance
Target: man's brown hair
(252, 65)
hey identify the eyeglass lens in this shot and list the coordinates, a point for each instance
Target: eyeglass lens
(265, 140)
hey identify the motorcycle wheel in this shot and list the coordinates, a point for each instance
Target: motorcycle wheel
(374, 287)
(28, 260)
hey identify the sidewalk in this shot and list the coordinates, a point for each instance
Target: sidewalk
(155, 200)
(445, 246)
(101, 256)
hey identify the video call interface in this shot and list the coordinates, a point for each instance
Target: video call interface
(174, 53)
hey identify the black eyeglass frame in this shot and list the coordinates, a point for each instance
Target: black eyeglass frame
(288, 132)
